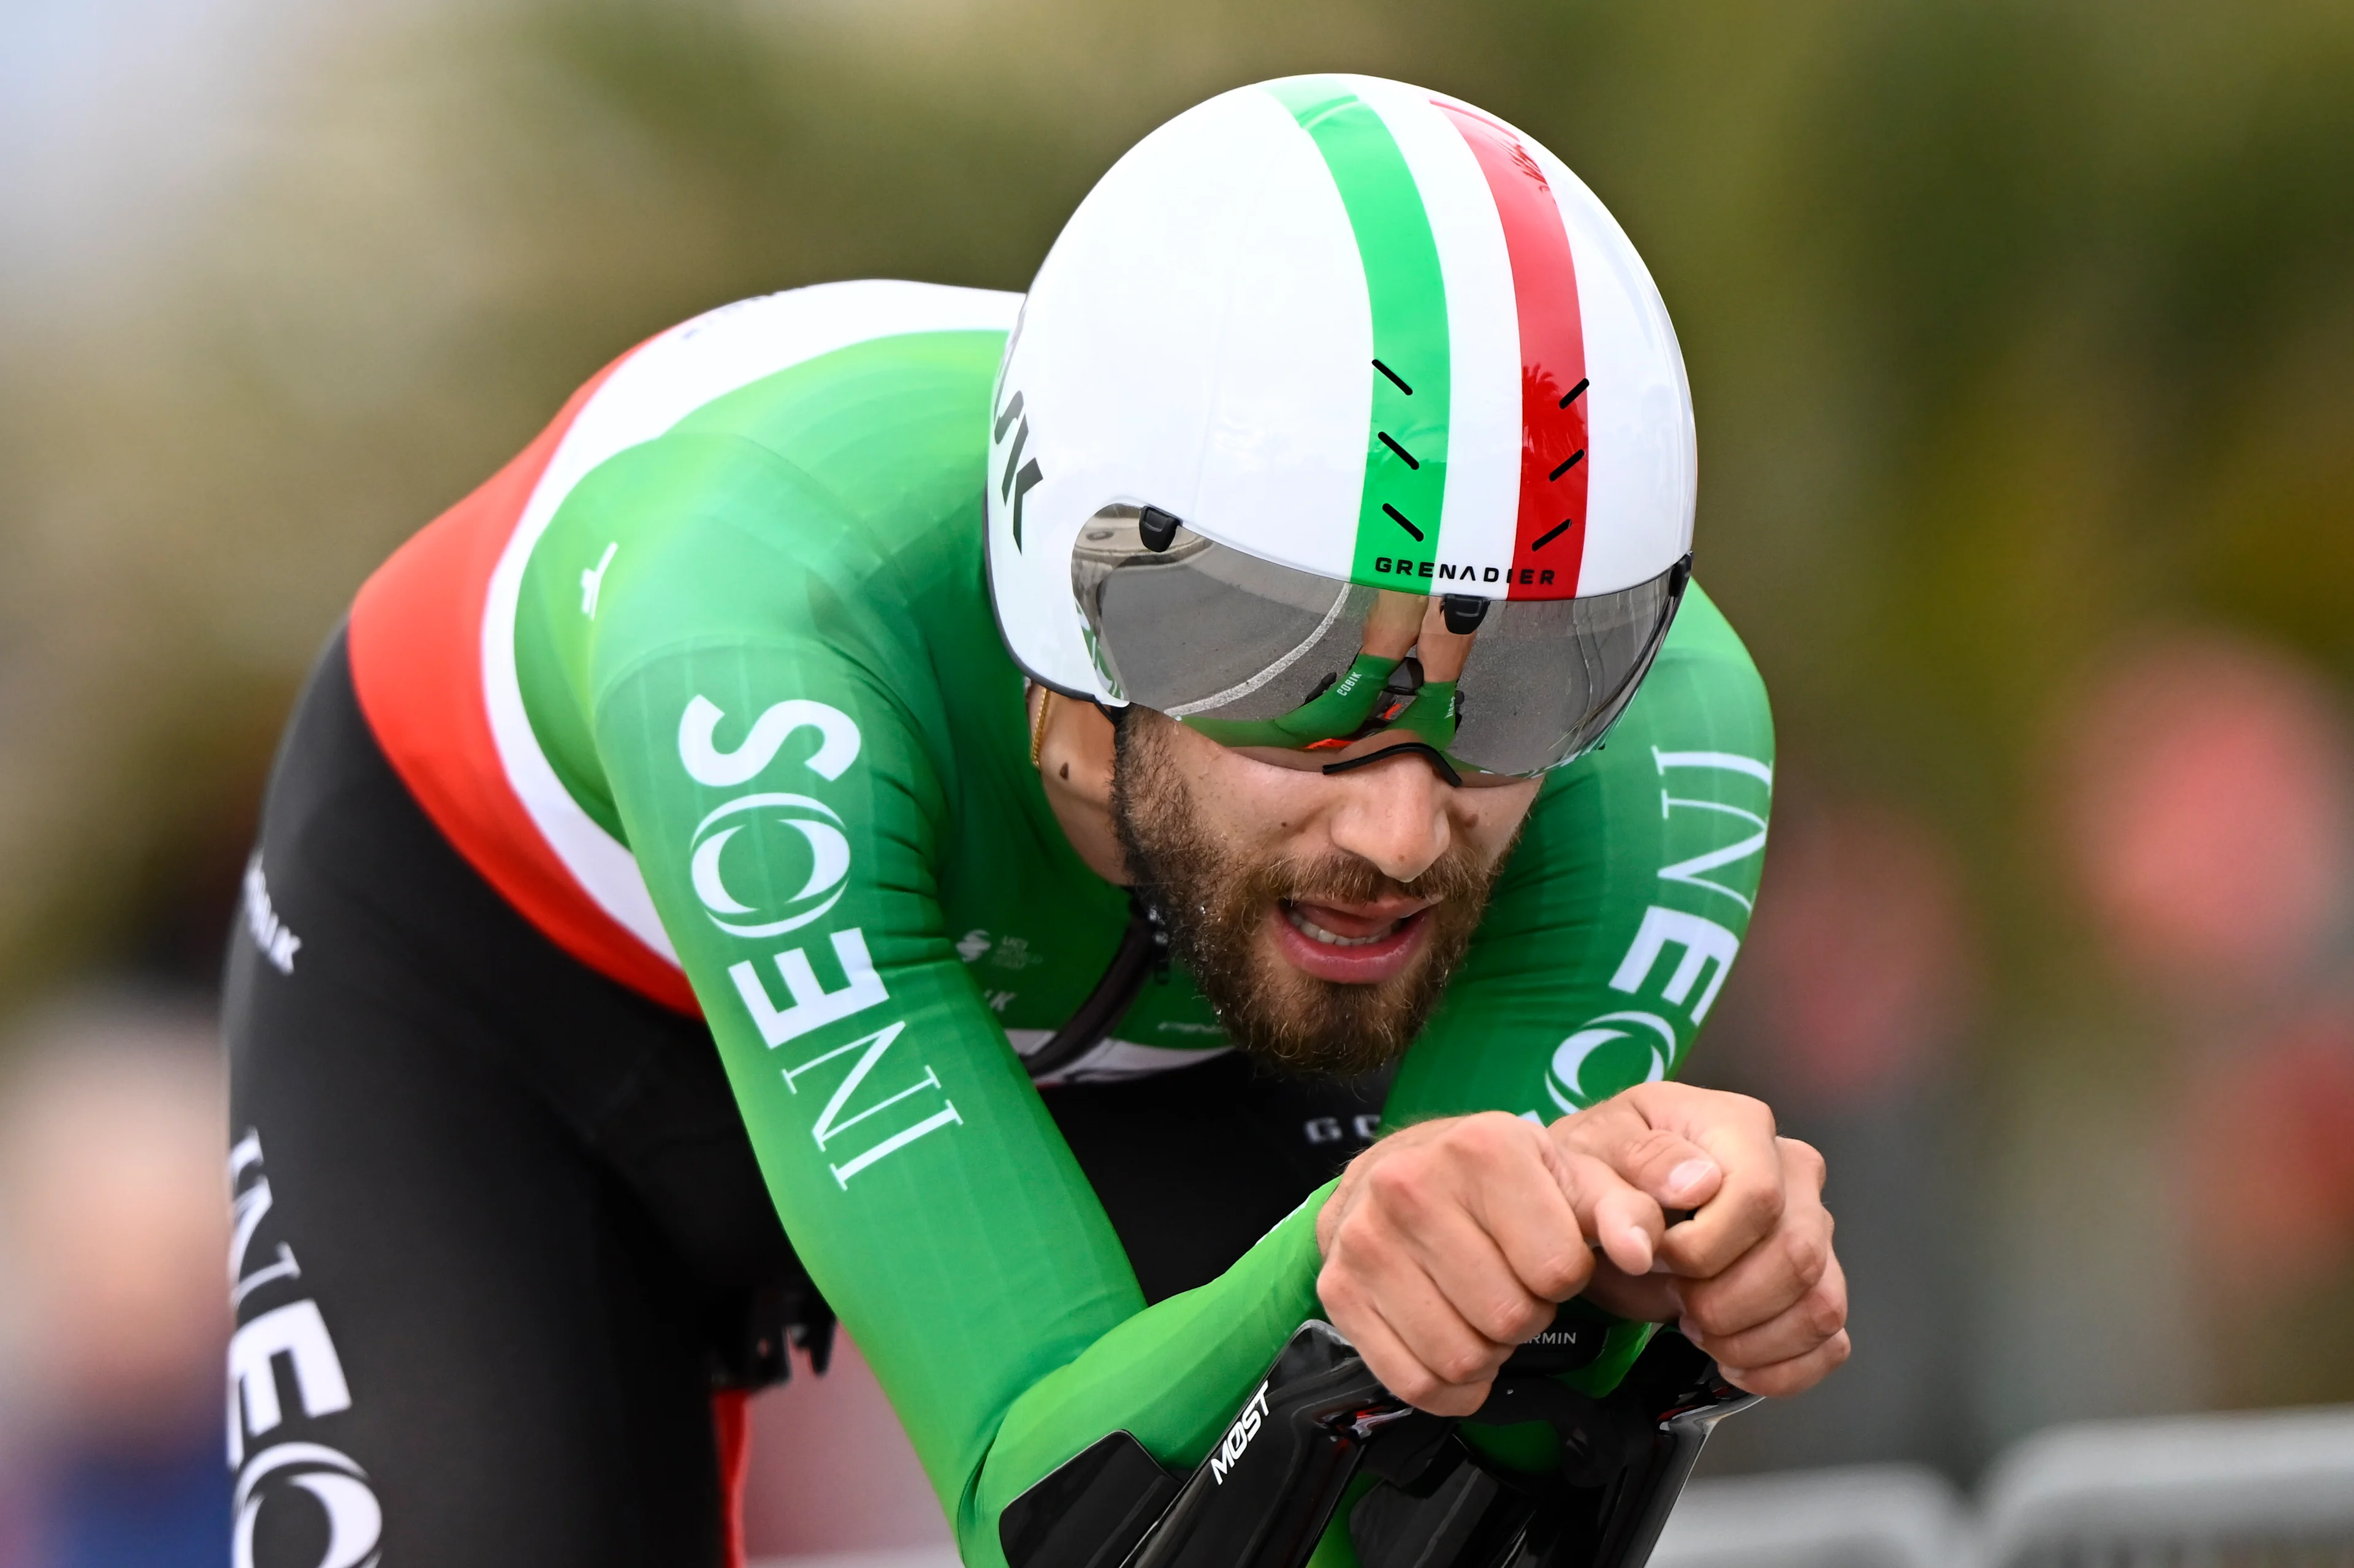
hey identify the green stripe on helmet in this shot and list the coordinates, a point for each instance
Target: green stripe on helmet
(1405, 444)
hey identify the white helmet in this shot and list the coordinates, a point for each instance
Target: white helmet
(1319, 338)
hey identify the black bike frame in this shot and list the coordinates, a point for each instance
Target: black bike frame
(1321, 1423)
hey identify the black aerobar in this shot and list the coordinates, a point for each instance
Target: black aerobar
(1319, 1423)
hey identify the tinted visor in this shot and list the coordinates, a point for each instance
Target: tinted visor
(1256, 654)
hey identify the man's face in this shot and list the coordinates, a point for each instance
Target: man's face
(1322, 914)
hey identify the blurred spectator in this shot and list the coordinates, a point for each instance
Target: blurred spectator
(1844, 1014)
(1860, 971)
(113, 1232)
(2207, 790)
(2206, 800)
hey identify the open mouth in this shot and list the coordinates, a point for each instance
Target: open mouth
(1338, 944)
(1311, 929)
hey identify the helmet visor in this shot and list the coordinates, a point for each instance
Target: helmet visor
(1259, 655)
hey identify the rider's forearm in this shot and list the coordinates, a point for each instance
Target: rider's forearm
(914, 1166)
(1172, 1376)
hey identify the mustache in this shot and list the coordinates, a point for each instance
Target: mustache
(1344, 878)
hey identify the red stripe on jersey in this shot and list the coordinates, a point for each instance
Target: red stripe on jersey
(1550, 533)
(417, 661)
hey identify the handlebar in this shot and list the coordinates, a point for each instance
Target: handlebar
(1320, 1422)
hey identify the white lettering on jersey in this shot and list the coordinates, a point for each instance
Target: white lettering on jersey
(1704, 941)
(1569, 1058)
(829, 853)
(1691, 873)
(252, 1203)
(831, 1122)
(297, 1333)
(592, 581)
(276, 939)
(813, 1006)
(698, 728)
(335, 1482)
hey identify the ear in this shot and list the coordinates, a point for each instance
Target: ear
(1075, 742)
(1080, 747)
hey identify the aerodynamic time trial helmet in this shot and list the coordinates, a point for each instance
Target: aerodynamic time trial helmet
(1339, 408)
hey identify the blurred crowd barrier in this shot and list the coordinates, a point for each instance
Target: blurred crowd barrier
(2219, 1491)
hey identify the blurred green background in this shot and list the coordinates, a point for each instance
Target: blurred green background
(2019, 335)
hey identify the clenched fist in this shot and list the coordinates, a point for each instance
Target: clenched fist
(1449, 1243)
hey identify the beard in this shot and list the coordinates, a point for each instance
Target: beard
(1212, 900)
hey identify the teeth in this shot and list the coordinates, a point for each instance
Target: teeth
(1307, 927)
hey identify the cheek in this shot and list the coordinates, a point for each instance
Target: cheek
(1252, 807)
(1495, 814)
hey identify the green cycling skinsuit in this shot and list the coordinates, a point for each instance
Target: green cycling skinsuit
(707, 687)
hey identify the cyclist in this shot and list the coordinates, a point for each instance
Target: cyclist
(1087, 764)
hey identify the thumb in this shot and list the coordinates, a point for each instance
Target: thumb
(1615, 1215)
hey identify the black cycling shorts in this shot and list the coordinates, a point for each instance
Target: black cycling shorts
(500, 1236)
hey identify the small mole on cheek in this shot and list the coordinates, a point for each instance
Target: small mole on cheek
(1066, 771)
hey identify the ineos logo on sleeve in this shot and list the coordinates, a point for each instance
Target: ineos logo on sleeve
(819, 828)
(1647, 1032)
(699, 749)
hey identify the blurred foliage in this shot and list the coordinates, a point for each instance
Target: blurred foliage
(2014, 326)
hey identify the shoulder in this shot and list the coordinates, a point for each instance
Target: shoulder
(1703, 645)
(1701, 724)
(777, 367)
(1703, 693)
(835, 434)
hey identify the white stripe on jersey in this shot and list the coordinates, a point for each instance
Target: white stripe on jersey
(667, 379)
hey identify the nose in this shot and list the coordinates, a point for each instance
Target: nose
(1395, 814)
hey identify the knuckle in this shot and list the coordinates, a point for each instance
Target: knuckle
(1666, 1091)
(1400, 1185)
(1359, 1250)
(1824, 1314)
(1415, 1385)
(1763, 1201)
(1493, 1136)
(1810, 1258)
(1525, 1319)
(1656, 1146)
(1460, 1365)
(1561, 1275)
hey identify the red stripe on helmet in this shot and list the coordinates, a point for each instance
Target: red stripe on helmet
(1549, 535)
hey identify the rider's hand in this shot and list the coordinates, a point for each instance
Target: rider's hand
(1751, 1276)
(1449, 1244)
